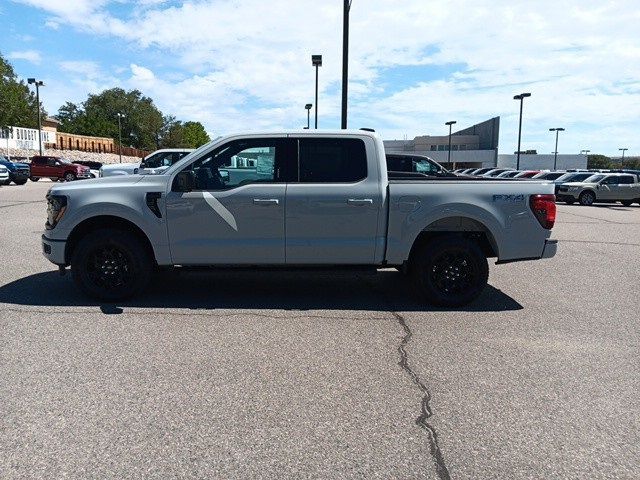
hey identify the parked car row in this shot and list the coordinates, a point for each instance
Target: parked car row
(583, 186)
(60, 169)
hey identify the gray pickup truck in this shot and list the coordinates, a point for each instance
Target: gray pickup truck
(298, 200)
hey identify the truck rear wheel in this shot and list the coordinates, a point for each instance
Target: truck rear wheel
(34, 179)
(450, 271)
(626, 203)
(111, 265)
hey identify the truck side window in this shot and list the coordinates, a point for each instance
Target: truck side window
(236, 164)
(331, 160)
(626, 180)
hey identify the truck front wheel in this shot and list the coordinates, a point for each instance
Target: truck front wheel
(450, 271)
(111, 265)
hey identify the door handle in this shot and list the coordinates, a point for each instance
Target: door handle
(266, 201)
(360, 201)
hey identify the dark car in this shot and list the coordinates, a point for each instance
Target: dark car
(18, 172)
(399, 162)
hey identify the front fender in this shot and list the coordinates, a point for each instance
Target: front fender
(134, 212)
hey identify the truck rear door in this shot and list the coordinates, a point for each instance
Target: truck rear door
(333, 203)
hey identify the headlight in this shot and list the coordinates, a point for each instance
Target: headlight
(56, 207)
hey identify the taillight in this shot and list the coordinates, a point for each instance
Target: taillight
(544, 208)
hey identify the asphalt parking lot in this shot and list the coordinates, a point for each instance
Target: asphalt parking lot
(292, 375)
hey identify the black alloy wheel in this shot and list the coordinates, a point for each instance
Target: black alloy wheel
(111, 265)
(450, 271)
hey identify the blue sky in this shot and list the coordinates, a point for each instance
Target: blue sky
(240, 65)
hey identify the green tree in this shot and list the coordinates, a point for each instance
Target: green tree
(194, 135)
(599, 161)
(18, 106)
(172, 133)
(142, 125)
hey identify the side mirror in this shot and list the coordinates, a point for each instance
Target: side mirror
(184, 181)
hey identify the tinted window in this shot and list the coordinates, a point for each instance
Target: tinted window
(610, 181)
(237, 163)
(330, 160)
(625, 180)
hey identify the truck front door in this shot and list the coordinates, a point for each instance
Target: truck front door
(235, 213)
(333, 204)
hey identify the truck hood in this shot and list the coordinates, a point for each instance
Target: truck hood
(14, 165)
(121, 166)
(94, 183)
(578, 184)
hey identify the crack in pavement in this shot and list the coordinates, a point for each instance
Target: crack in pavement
(17, 203)
(425, 405)
(426, 411)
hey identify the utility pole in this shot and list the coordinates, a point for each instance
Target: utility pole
(520, 97)
(452, 122)
(555, 156)
(316, 61)
(345, 60)
(120, 115)
(38, 84)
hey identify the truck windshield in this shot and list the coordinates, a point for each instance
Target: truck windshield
(594, 179)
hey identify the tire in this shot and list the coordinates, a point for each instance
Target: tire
(111, 265)
(626, 203)
(569, 202)
(6, 182)
(20, 182)
(69, 177)
(34, 179)
(587, 198)
(450, 271)
(54, 179)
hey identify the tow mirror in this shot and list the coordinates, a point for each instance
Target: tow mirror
(184, 181)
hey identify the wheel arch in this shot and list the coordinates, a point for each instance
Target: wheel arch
(105, 222)
(462, 226)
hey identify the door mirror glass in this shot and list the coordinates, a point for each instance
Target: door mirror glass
(184, 181)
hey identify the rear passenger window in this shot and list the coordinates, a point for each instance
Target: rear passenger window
(626, 180)
(330, 160)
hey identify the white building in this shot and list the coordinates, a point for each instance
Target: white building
(25, 138)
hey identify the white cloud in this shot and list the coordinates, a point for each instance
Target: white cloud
(31, 56)
(246, 63)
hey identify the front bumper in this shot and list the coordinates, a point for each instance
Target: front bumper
(53, 250)
(550, 248)
(19, 176)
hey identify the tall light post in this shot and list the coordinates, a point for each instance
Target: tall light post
(450, 123)
(345, 60)
(316, 61)
(555, 153)
(520, 97)
(622, 161)
(308, 109)
(38, 84)
(120, 116)
(584, 152)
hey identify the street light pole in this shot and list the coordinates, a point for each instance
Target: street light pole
(622, 161)
(308, 109)
(345, 60)
(316, 61)
(120, 115)
(450, 123)
(38, 84)
(520, 97)
(555, 156)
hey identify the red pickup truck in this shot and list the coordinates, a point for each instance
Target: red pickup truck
(56, 168)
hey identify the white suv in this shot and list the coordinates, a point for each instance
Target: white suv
(154, 163)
